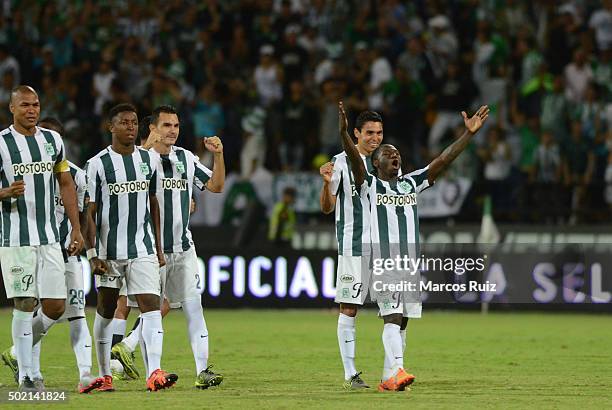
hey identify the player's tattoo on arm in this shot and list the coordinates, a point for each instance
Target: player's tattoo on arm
(358, 168)
(472, 125)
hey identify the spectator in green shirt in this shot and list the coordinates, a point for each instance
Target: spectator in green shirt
(282, 221)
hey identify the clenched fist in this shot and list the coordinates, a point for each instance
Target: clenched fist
(326, 171)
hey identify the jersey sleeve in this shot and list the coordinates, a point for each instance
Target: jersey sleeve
(420, 179)
(81, 190)
(61, 163)
(336, 178)
(154, 162)
(93, 180)
(201, 173)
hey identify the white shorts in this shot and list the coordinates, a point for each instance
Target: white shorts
(180, 277)
(141, 275)
(75, 300)
(352, 279)
(391, 303)
(33, 271)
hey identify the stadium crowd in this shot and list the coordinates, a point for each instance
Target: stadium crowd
(266, 76)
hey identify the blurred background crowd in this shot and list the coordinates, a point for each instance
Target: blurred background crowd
(266, 76)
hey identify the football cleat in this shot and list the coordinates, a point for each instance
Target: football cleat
(107, 384)
(126, 358)
(207, 378)
(160, 379)
(397, 382)
(89, 383)
(355, 383)
(39, 383)
(27, 385)
(11, 362)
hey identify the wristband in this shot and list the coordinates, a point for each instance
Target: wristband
(92, 253)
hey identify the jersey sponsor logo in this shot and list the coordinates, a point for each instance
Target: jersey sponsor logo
(174, 184)
(396, 200)
(128, 187)
(33, 168)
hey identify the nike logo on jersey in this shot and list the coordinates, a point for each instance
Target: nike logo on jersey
(400, 357)
(87, 345)
(159, 332)
(27, 334)
(103, 343)
(349, 341)
(202, 337)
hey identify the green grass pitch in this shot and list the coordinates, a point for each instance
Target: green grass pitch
(289, 359)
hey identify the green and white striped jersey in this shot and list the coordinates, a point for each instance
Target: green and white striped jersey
(394, 222)
(119, 185)
(177, 173)
(29, 220)
(80, 184)
(352, 209)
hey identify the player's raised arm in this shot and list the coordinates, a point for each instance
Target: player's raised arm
(217, 179)
(359, 170)
(472, 125)
(327, 200)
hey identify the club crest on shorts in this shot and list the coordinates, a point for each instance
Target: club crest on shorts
(180, 168)
(404, 187)
(49, 149)
(144, 168)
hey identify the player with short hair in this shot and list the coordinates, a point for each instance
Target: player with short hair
(352, 232)
(178, 171)
(31, 160)
(394, 224)
(123, 246)
(74, 312)
(122, 347)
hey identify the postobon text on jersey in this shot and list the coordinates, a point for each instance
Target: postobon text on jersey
(396, 200)
(33, 168)
(128, 187)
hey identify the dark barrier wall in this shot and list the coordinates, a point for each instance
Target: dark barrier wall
(557, 277)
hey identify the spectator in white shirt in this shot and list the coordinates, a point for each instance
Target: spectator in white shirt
(578, 74)
(268, 77)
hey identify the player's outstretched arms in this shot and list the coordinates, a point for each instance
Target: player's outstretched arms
(359, 170)
(327, 200)
(16, 189)
(472, 125)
